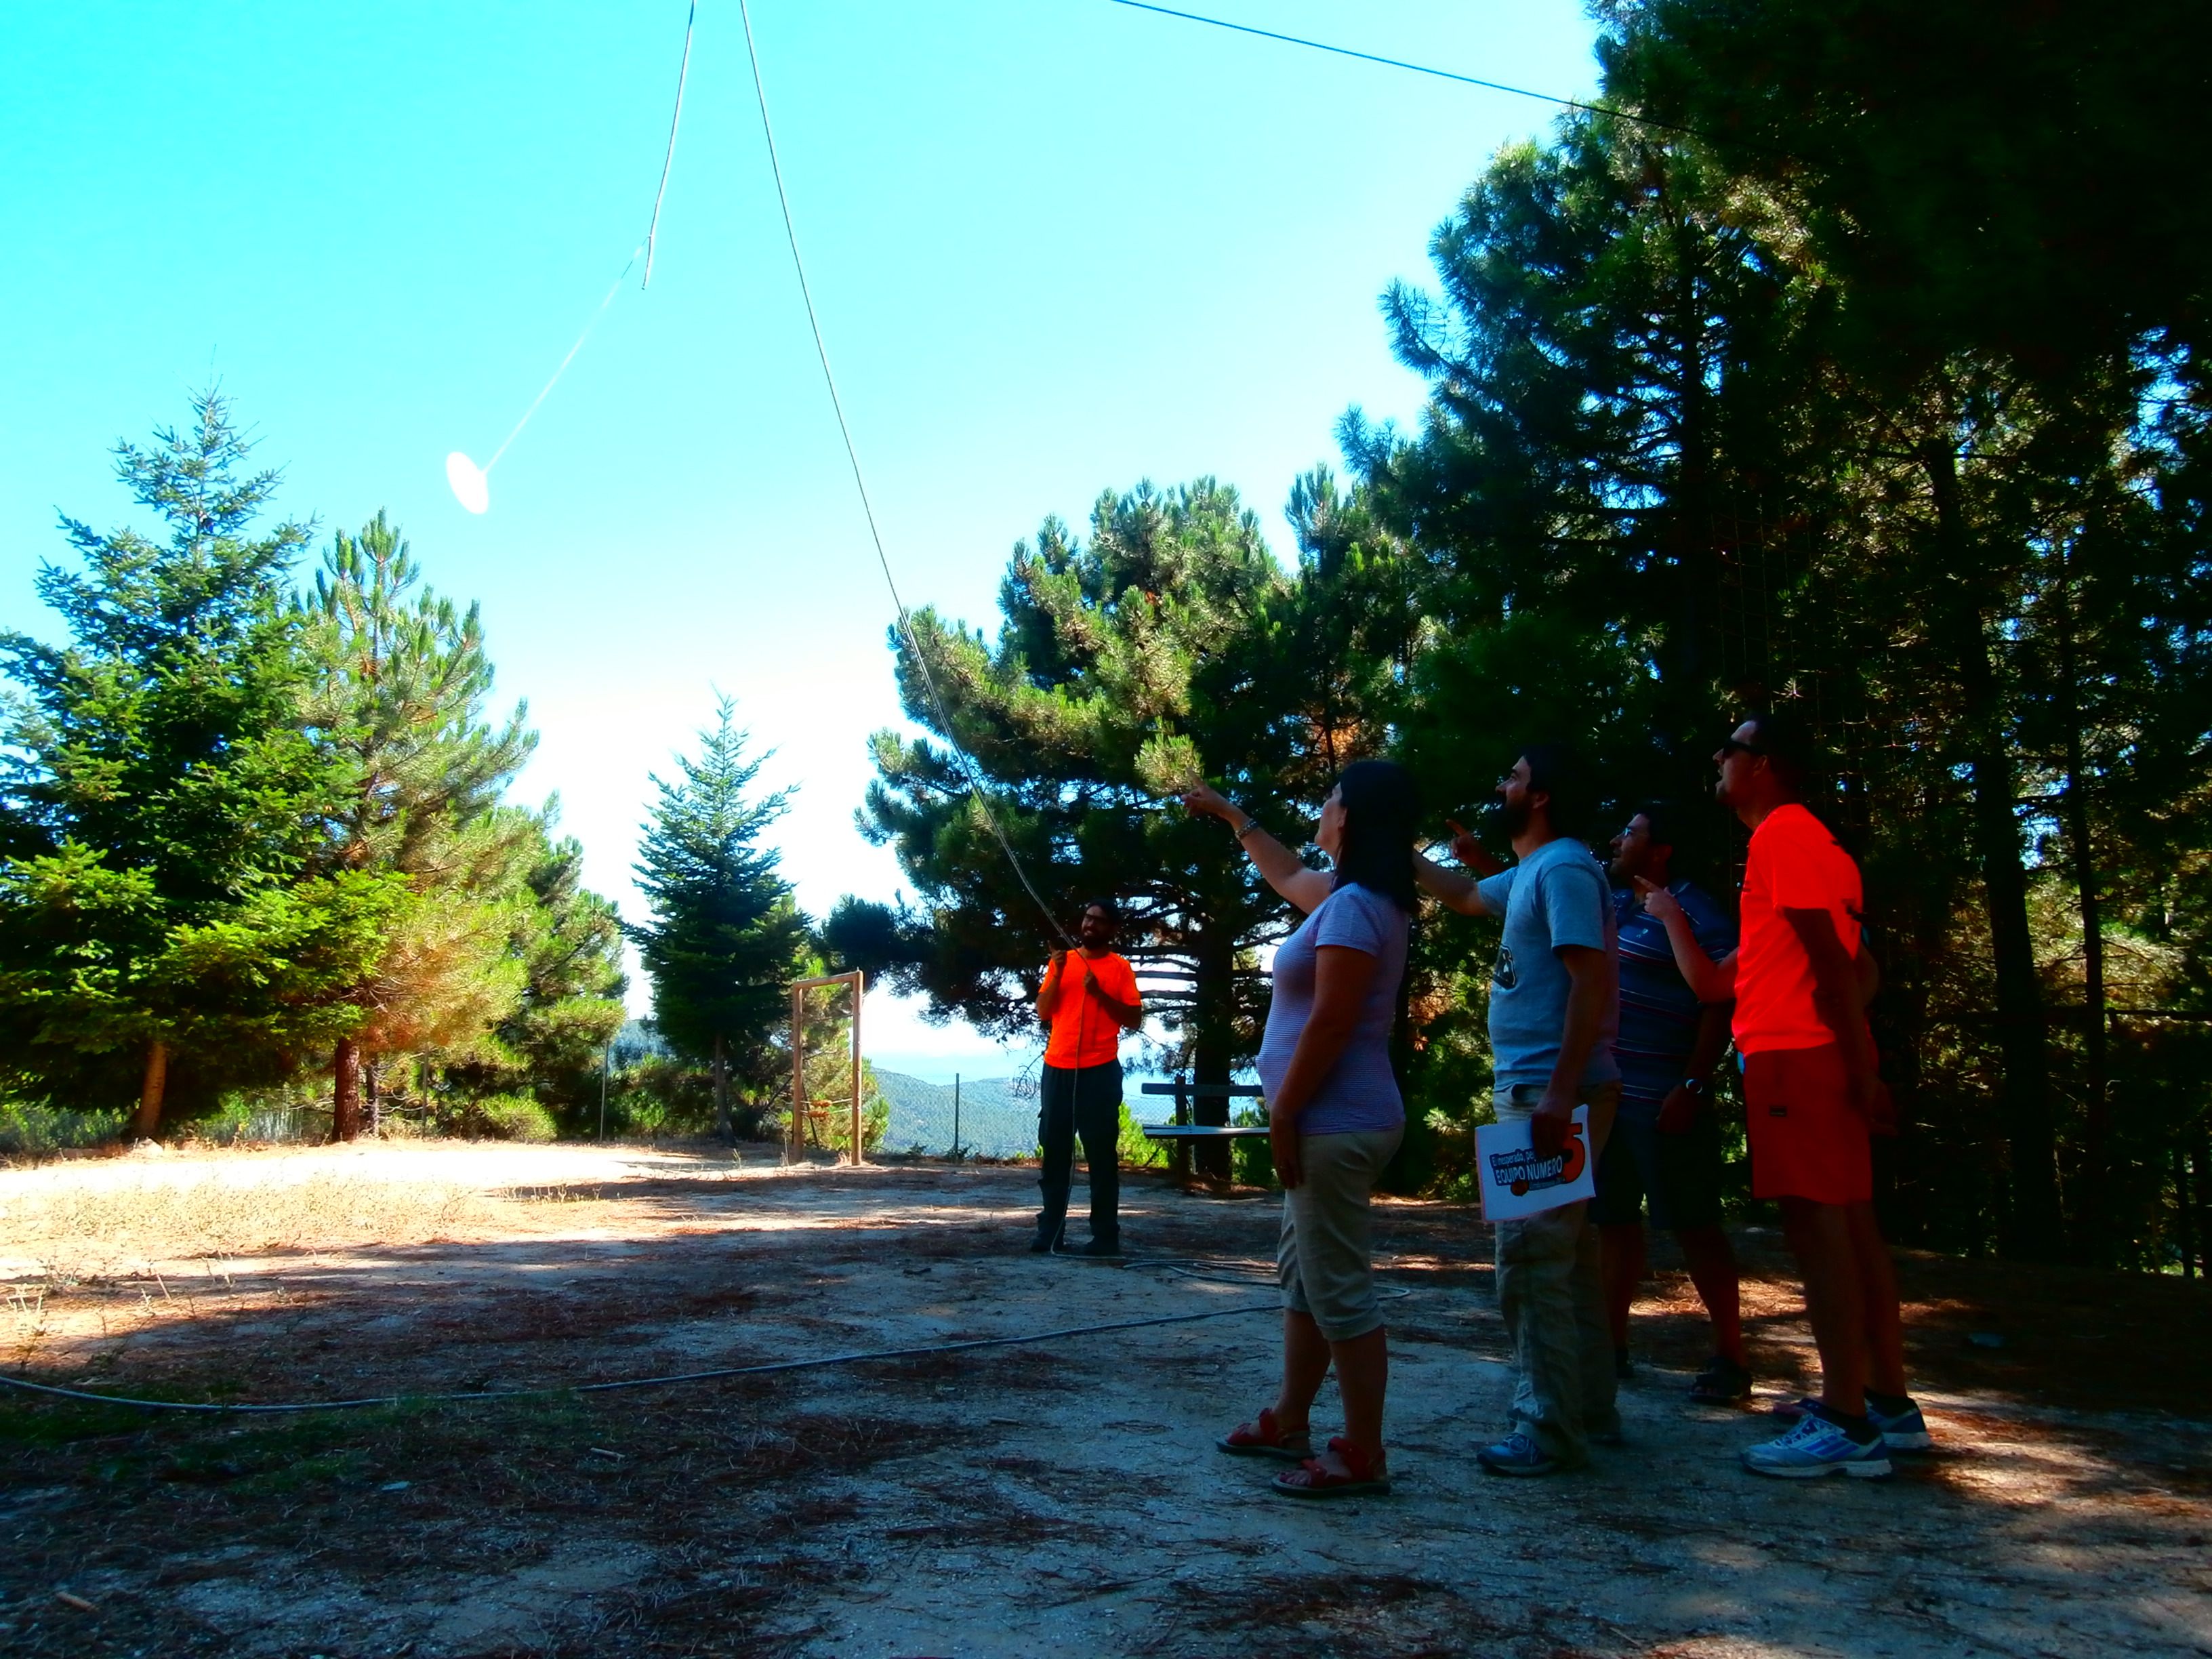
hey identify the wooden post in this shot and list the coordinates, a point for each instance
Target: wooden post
(798, 1071)
(1179, 1157)
(799, 987)
(2184, 1215)
(723, 1131)
(859, 989)
(2203, 1229)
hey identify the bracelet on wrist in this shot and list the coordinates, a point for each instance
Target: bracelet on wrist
(1247, 828)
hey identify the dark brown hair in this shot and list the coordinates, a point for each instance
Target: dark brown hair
(1382, 813)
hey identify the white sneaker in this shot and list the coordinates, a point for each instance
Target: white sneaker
(1816, 1446)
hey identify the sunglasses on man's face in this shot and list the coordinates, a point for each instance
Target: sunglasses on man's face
(1738, 746)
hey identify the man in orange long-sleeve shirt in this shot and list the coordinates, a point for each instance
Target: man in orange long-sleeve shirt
(1088, 998)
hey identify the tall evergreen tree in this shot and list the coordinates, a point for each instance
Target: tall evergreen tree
(1994, 196)
(566, 941)
(1826, 400)
(404, 684)
(725, 936)
(1170, 639)
(1093, 676)
(160, 785)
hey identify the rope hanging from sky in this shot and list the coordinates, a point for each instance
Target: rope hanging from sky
(682, 73)
(968, 767)
(470, 483)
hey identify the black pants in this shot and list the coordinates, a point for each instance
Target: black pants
(1086, 1101)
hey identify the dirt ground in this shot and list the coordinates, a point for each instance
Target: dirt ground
(1059, 1497)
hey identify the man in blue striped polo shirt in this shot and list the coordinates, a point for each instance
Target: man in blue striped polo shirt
(1666, 1142)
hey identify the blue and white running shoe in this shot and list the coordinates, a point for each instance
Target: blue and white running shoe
(1517, 1454)
(1906, 1431)
(1816, 1446)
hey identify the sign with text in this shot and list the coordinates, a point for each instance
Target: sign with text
(1515, 1182)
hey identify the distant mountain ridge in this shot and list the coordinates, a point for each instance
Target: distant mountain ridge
(998, 1115)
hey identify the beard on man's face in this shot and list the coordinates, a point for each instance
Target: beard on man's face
(1511, 816)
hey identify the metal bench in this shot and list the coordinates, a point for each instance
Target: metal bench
(1182, 1133)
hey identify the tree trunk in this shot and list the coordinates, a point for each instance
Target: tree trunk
(345, 1090)
(1902, 1019)
(2203, 1187)
(2184, 1215)
(147, 1124)
(2034, 1226)
(371, 1097)
(2094, 1210)
(1690, 528)
(1213, 1024)
(722, 1130)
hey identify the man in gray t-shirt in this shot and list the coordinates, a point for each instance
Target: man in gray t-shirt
(1554, 1005)
(1554, 900)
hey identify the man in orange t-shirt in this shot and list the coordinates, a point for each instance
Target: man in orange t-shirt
(1089, 998)
(1811, 1096)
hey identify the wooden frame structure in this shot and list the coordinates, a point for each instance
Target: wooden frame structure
(793, 1139)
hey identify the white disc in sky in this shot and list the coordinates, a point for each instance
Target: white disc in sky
(472, 487)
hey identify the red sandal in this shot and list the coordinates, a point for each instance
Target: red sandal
(1315, 1478)
(1266, 1438)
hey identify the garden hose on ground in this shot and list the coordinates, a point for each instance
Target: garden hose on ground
(637, 1382)
(1206, 1269)
(1209, 1269)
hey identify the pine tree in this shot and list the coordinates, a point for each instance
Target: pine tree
(161, 791)
(1838, 397)
(725, 936)
(404, 684)
(1170, 639)
(567, 942)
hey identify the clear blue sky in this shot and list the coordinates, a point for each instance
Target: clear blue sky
(1059, 245)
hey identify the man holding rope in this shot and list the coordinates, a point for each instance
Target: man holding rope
(1089, 998)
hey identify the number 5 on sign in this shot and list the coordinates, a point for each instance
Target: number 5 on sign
(1515, 1182)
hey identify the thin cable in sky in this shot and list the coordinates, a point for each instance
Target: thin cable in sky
(613, 289)
(1399, 63)
(683, 72)
(867, 506)
(470, 483)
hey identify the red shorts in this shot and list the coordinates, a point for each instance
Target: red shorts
(1806, 1140)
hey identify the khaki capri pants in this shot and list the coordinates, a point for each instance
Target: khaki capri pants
(1324, 1259)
